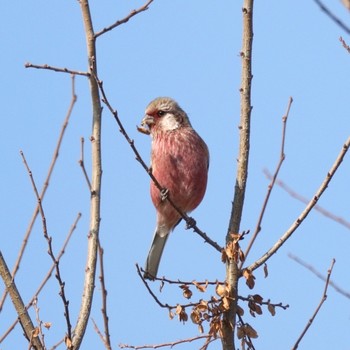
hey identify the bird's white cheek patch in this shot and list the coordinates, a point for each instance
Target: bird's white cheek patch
(169, 122)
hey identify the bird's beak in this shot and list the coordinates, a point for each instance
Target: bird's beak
(147, 120)
(146, 124)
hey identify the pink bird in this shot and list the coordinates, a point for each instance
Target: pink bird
(179, 161)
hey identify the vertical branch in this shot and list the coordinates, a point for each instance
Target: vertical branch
(232, 271)
(96, 175)
(26, 322)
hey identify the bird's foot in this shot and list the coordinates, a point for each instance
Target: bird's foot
(164, 194)
(190, 223)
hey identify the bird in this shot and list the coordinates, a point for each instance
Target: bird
(179, 162)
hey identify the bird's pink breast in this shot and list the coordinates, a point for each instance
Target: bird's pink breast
(180, 162)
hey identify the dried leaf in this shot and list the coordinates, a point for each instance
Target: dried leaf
(200, 328)
(171, 314)
(266, 272)
(240, 332)
(68, 342)
(241, 255)
(225, 303)
(196, 317)
(183, 316)
(35, 332)
(202, 306)
(258, 298)
(47, 325)
(200, 287)
(250, 331)
(240, 311)
(178, 309)
(248, 275)
(186, 291)
(271, 309)
(220, 290)
(224, 256)
(258, 309)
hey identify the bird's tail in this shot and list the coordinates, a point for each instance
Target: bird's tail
(155, 253)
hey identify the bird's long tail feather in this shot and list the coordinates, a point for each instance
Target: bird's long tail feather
(155, 254)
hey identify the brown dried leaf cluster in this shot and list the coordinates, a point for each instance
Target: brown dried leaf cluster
(233, 250)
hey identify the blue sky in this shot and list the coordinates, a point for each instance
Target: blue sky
(188, 50)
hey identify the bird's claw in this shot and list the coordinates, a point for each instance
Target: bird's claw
(164, 194)
(190, 223)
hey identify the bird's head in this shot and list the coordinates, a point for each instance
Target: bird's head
(164, 114)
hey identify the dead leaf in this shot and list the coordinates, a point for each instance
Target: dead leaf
(200, 287)
(248, 275)
(266, 272)
(250, 331)
(68, 342)
(220, 290)
(271, 309)
(35, 332)
(47, 325)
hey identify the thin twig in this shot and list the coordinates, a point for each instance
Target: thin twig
(323, 299)
(304, 200)
(50, 250)
(45, 186)
(97, 330)
(82, 163)
(319, 275)
(169, 344)
(306, 211)
(56, 69)
(46, 278)
(125, 19)
(345, 45)
(272, 183)
(333, 17)
(107, 337)
(190, 222)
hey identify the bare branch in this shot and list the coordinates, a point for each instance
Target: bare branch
(345, 45)
(55, 69)
(47, 277)
(125, 19)
(333, 17)
(272, 183)
(107, 337)
(107, 345)
(304, 200)
(323, 299)
(319, 275)
(45, 186)
(96, 181)
(232, 270)
(82, 163)
(169, 344)
(17, 301)
(50, 251)
(306, 211)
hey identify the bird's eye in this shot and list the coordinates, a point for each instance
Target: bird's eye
(160, 113)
